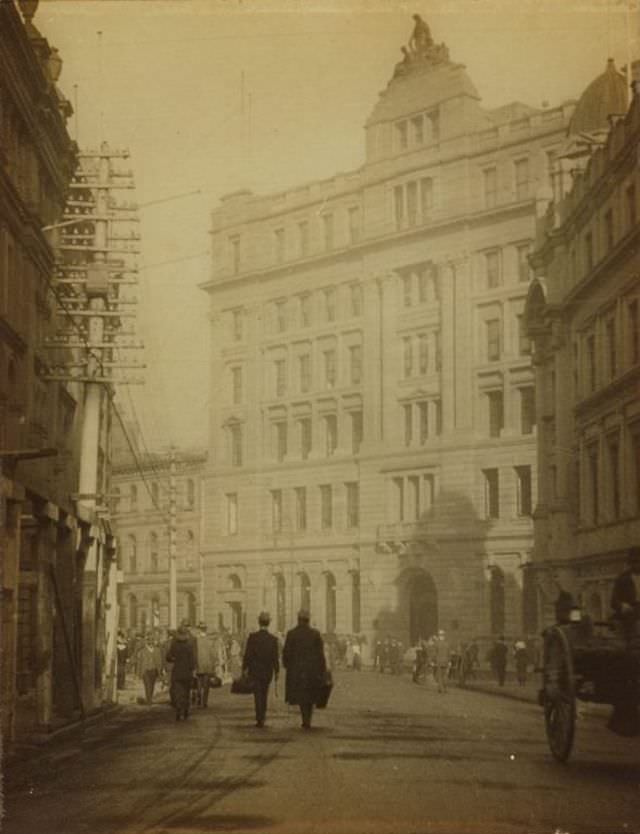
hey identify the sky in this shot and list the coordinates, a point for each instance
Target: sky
(215, 95)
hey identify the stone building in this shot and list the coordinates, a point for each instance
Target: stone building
(140, 513)
(583, 312)
(372, 438)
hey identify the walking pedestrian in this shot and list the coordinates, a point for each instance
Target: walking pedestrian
(499, 659)
(205, 664)
(261, 664)
(521, 656)
(442, 656)
(303, 658)
(357, 655)
(122, 653)
(149, 667)
(182, 655)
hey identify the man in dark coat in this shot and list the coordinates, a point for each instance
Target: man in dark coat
(303, 658)
(625, 599)
(181, 653)
(261, 664)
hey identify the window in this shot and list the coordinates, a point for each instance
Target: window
(437, 407)
(495, 401)
(612, 356)
(591, 362)
(407, 348)
(353, 504)
(301, 508)
(133, 554)
(305, 592)
(231, 499)
(527, 410)
(133, 495)
(326, 506)
(491, 493)
(355, 603)
(634, 332)
(423, 285)
(235, 432)
(613, 453)
(355, 291)
(407, 411)
(331, 434)
(330, 304)
(524, 271)
(493, 339)
(414, 497)
(412, 203)
(276, 510)
(524, 342)
(237, 325)
(280, 366)
(492, 267)
(407, 289)
(278, 238)
(330, 371)
(355, 230)
(417, 128)
(423, 353)
(305, 437)
(236, 381)
(281, 440)
(594, 482)
(490, 187)
(402, 135)
(398, 484)
(423, 422)
(438, 350)
(281, 316)
(305, 310)
(433, 118)
(305, 372)
(608, 231)
(327, 226)
(426, 197)
(428, 492)
(632, 207)
(234, 245)
(356, 431)
(588, 251)
(523, 494)
(521, 170)
(303, 238)
(398, 206)
(355, 364)
(191, 494)
(153, 552)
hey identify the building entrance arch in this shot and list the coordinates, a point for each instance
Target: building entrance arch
(419, 598)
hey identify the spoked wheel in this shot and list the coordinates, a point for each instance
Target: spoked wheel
(559, 694)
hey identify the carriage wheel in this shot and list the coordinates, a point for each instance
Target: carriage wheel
(559, 694)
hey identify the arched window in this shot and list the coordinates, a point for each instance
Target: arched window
(281, 604)
(154, 564)
(235, 583)
(191, 494)
(330, 604)
(133, 494)
(305, 592)
(133, 554)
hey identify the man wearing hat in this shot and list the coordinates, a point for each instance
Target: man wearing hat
(261, 663)
(205, 664)
(303, 658)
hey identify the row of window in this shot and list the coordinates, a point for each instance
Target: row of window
(493, 498)
(494, 347)
(421, 129)
(426, 348)
(301, 520)
(518, 183)
(413, 202)
(422, 420)
(156, 500)
(495, 410)
(157, 561)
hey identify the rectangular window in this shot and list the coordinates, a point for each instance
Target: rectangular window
(492, 267)
(238, 320)
(417, 125)
(423, 284)
(305, 372)
(495, 401)
(423, 422)
(305, 310)
(412, 203)
(524, 342)
(632, 207)
(588, 252)
(426, 197)
(612, 355)
(398, 485)
(434, 125)
(613, 450)
(407, 348)
(634, 332)
(281, 440)
(355, 364)
(305, 437)
(398, 206)
(608, 231)
(407, 289)
(527, 410)
(438, 350)
(355, 291)
(236, 376)
(524, 495)
(591, 362)
(281, 377)
(414, 497)
(594, 482)
(330, 304)
(493, 340)
(234, 243)
(491, 493)
(327, 226)
(357, 431)
(326, 506)
(402, 135)
(521, 170)
(353, 504)
(232, 513)
(524, 270)
(303, 238)
(355, 229)
(428, 492)
(281, 316)
(490, 177)
(423, 353)
(407, 411)
(276, 510)
(331, 434)
(437, 408)
(330, 371)
(301, 508)
(278, 239)
(235, 432)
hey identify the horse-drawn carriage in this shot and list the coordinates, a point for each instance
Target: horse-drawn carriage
(583, 660)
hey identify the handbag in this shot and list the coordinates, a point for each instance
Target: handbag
(243, 685)
(323, 691)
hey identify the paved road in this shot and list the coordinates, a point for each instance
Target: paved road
(387, 757)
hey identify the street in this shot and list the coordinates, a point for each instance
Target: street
(386, 756)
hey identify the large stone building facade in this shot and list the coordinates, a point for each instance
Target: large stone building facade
(372, 439)
(583, 312)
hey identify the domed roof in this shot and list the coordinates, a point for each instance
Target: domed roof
(605, 96)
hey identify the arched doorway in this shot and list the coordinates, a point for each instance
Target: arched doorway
(281, 609)
(421, 605)
(497, 600)
(330, 603)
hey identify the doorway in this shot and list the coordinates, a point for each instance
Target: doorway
(422, 606)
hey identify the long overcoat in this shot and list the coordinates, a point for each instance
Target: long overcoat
(303, 658)
(182, 654)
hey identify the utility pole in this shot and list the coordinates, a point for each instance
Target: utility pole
(173, 590)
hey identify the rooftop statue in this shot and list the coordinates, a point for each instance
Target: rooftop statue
(422, 51)
(404, 66)
(421, 40)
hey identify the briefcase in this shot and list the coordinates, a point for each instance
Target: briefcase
(323, 691)
(243, 685)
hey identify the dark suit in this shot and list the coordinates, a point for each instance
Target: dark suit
(303, 658)
(261, 662)
(624, 591)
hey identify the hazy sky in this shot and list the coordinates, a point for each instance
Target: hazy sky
(166, 79)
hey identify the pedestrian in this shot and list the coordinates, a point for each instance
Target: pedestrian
(357, 655)
(442, 656)
(205, 664)
(303, 658)
(149, 667)
(182, 655)
(499, 659)
(521, 657)
(122, 653)
(261, 664)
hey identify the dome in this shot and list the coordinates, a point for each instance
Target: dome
(605, 96)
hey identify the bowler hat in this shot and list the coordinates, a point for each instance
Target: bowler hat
(264, 618)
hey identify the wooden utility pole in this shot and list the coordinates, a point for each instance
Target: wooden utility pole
(173, 590)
